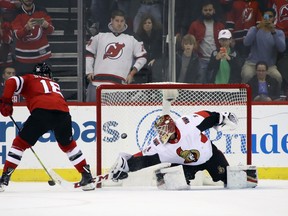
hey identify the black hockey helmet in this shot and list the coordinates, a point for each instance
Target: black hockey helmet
(42, 69)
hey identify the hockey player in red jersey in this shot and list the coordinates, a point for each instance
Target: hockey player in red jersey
(181, 142)
(49, 111)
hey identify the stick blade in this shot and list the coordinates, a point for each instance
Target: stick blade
(60, 181)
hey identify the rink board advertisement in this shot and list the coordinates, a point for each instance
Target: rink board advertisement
(269, 137)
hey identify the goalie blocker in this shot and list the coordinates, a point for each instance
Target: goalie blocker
(173, 178)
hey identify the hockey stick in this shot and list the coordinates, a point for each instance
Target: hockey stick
(97, 179)
(71, 185)
(50, 182)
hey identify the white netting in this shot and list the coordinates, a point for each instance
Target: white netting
(186, 97)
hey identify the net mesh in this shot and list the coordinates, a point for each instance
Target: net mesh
(144, 97)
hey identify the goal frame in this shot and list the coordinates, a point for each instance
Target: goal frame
(168, 85)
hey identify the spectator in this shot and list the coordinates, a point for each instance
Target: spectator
(110, 56)
(187, 62)
(264, 87)
(206, 29)
(282, 66)
(8, 9)
(265, 42)
(243, 15)
(6, 73)
(49, 111)
(186, 11)
(6, 38)
(150, 33)
(281, 7)
(7, 14)
(263, 4)
(99, 14)
(129, 7)
(31, 27)
(124, 5)
(224, 62)
(153, 7)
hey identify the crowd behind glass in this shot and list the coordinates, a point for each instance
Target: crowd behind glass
(217, 41)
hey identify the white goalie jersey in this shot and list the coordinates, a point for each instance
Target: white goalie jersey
(191, 147)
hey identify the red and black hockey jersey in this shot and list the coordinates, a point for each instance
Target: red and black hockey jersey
(38, 91)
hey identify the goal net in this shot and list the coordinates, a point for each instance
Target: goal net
(126, 114)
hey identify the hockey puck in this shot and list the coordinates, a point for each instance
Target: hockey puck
(51, 182)
(123, 135)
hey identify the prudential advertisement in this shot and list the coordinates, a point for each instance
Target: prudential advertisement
(269, 137)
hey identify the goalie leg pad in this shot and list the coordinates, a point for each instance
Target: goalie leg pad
(242, 177)
(171, 178)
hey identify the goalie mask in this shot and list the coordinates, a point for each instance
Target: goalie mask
(165, 127)
(42, 69)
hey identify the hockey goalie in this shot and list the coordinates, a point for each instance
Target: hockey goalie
(183, 144)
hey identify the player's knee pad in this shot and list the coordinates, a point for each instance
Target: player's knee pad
(67, 147)
(242, 177)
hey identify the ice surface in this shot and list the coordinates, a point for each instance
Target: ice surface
(35, 199)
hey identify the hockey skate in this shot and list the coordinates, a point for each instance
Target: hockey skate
(120, 169)
(87, 181)
(5, 178)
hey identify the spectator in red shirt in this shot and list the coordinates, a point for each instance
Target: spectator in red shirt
(6, 38)
(31, 27)
(206, 29)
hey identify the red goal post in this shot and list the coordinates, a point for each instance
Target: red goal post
(131, 110)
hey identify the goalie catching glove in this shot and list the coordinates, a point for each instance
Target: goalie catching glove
(6, 106)
(227, 119)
